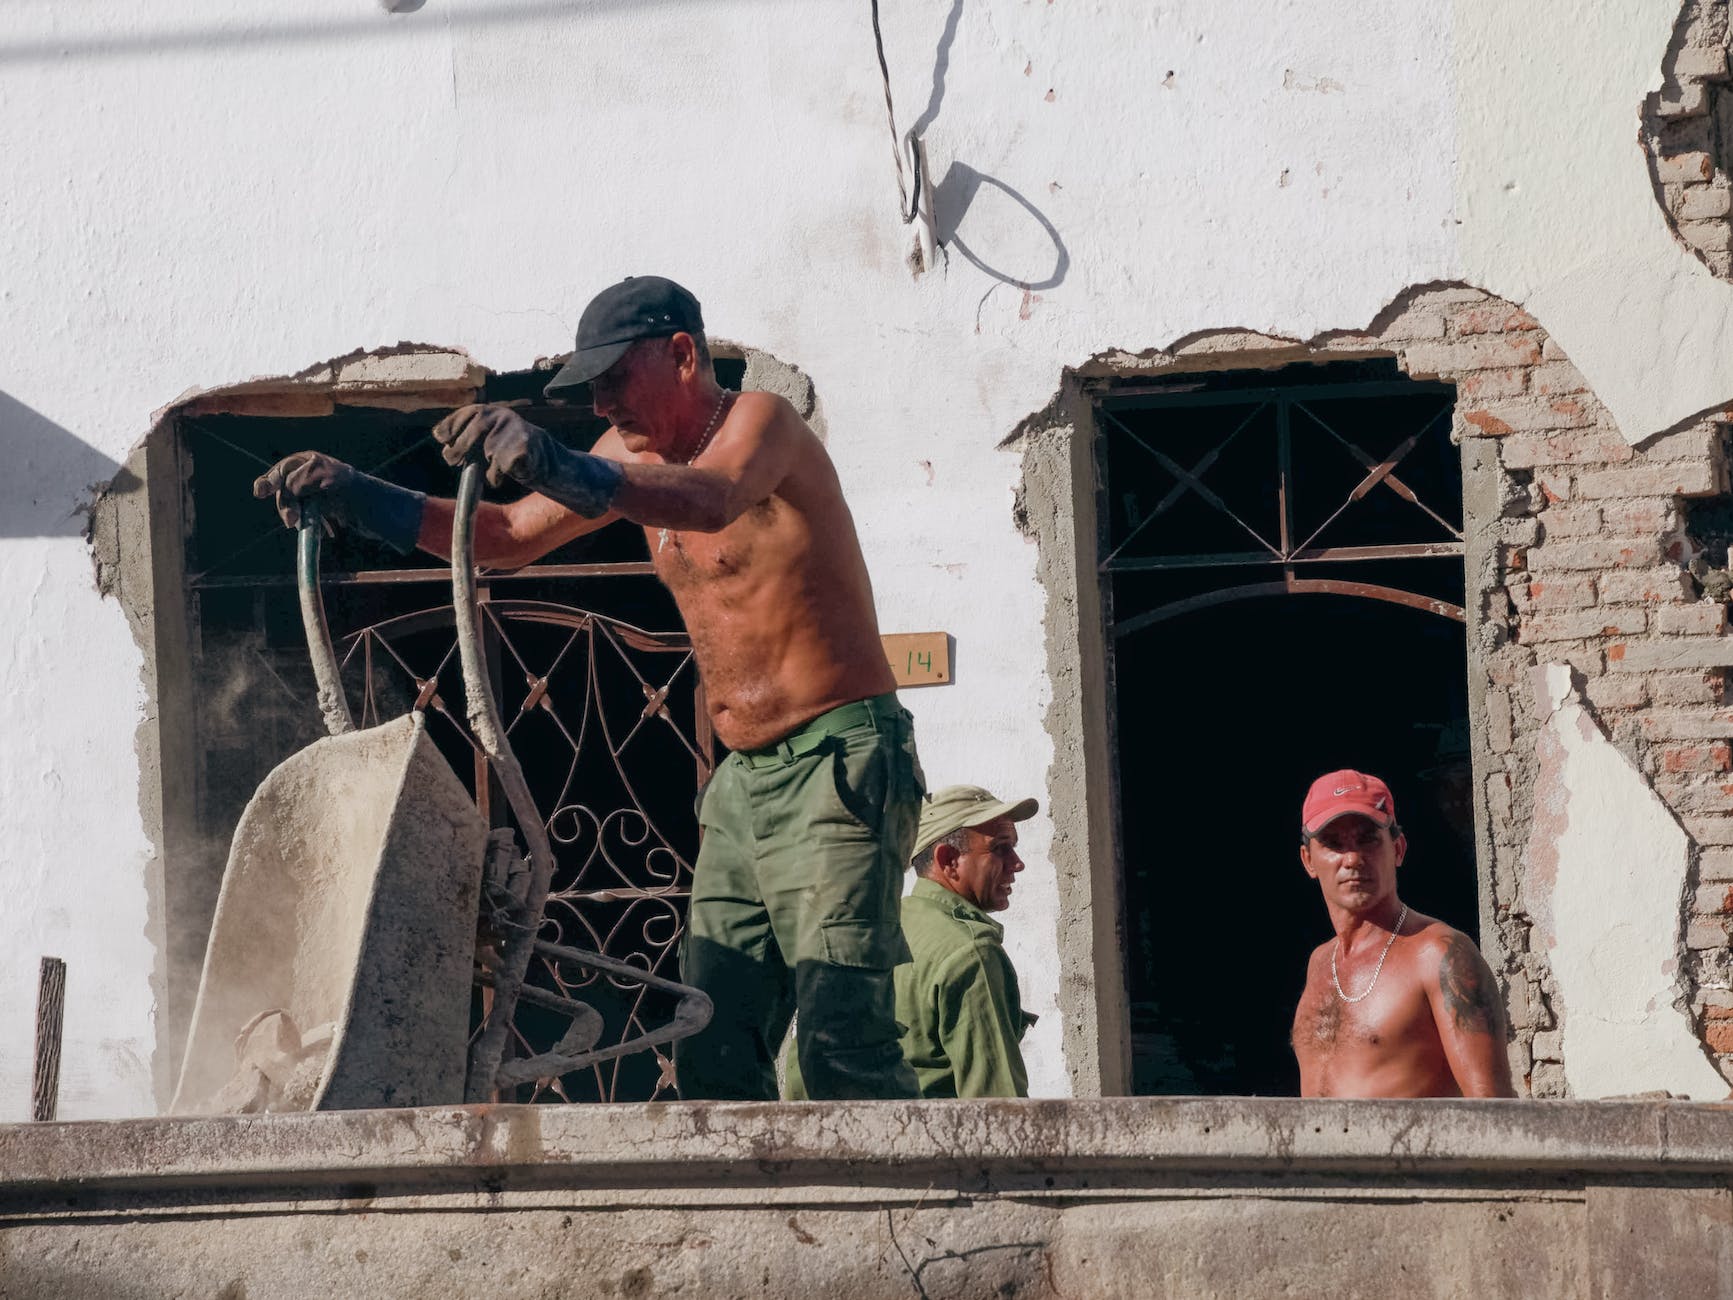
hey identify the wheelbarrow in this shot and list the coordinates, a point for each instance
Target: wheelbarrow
(343, 948)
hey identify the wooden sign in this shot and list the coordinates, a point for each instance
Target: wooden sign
(919, 658)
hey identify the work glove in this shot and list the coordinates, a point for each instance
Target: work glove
(516, 449)
(367, 505)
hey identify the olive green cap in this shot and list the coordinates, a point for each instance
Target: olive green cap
(957, 806)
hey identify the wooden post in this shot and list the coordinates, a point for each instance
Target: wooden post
(50, 1006)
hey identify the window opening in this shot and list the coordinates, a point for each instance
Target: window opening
(1282, 570)
(592, 668)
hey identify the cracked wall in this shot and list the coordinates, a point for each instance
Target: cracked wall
(1599, 834)
(1577, 561)
(1290, 169)
(1688, 133)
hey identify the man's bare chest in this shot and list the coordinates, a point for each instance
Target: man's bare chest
(1326, 1025)
(689, 560)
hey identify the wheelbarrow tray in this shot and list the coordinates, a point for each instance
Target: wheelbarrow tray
(349, 900)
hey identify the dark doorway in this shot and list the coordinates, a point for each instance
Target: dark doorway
(1283, 570)
(1227, 717)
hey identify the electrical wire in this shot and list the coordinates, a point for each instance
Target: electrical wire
(907, 206)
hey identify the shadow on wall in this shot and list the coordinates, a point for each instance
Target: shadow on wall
(51, 475)
(1014, 231)
(1013, 238)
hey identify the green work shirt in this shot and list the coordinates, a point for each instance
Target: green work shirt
(958, 1000)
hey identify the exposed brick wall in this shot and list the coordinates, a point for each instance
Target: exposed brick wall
(1593, 555)
(1688, 126)
(1590, 567)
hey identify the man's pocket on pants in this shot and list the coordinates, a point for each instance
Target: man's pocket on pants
(864, 945)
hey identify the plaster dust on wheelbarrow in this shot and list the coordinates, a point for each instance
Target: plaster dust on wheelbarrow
(343, 950)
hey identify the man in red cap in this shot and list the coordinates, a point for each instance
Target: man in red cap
(1397, 1004)
(807, 823)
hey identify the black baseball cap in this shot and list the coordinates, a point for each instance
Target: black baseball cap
(638, 307)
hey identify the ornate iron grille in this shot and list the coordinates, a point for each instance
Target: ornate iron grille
(608, 718)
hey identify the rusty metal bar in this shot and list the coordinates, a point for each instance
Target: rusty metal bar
(1315, 555)
(1291, 587)
(1285, 483)
(1383, 472)
(692, 1012)
(1132, 397)
(1190, 481)
(1200, 469)
(50, 1021)
(397, 577)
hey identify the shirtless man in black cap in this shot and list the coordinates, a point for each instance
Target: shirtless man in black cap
(807, 824)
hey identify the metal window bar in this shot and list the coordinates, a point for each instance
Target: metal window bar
(1285, 552)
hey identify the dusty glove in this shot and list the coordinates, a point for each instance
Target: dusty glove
(369, 506)
(516, 449)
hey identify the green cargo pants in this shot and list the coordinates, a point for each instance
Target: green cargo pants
(795, 900)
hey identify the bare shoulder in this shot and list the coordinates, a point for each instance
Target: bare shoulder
(1428, 937)
(1433, 941)
(768, 411)
(1462, 981)
(610, 446)
(770, 421)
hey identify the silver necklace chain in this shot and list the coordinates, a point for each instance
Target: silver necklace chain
(663, 534)
(709, 429)
(1377, 970)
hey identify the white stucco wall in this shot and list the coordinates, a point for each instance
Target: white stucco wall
(1601, 834)
(199, 193)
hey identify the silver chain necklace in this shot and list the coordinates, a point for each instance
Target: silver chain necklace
(1337, 979)
(662, 534)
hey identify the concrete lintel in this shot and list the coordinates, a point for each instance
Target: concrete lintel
(888, 1144)
(405, 369)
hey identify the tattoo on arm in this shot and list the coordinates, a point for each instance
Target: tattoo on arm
(1470, 993)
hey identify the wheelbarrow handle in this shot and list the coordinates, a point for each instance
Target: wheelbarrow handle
(488, 1068)
(489, 731)
(333, 704)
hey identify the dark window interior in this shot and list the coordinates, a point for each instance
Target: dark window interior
(1226, 704)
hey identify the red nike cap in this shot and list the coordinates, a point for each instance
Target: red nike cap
(1336, 794)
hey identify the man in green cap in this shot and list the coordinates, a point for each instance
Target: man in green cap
(958, 1001)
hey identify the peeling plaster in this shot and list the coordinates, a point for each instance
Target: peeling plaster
(1606, 877)
(1558, 209)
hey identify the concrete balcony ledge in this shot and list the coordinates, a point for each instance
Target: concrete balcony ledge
(1144, 1196)
(879, 1143)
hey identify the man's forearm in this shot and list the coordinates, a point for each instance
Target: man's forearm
(582, 483)
(497, 546)
(1482, 1069)
(676, 496)
(661, 496)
